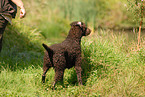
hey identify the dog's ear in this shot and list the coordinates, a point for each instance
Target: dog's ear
(79, 24)
(76, 23)
(50, 51)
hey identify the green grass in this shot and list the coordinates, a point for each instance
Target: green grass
(111, 66)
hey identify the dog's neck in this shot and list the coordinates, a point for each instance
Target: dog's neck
(75, 34)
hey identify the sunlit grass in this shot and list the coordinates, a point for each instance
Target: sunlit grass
(110, 67)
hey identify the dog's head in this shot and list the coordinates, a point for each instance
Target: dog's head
(82, 26)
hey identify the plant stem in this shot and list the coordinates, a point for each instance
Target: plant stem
(141, 22)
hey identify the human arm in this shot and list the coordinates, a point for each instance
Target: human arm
(20, 4)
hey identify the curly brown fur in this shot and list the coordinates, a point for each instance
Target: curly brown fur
(66, 54)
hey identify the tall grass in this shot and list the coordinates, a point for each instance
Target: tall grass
(115, 69)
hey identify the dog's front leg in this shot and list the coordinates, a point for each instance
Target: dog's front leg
(78, 69)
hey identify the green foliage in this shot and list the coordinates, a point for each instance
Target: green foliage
(45, 14)
(134, 9)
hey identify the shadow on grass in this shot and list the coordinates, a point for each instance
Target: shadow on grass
(21, 48)
(86, 65)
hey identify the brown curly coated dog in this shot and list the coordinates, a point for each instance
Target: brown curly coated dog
(66, 54)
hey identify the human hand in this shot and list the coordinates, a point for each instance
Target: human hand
(22, 13)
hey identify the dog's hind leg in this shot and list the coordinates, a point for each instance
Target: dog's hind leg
(59, 66)
(45, 69)
(46, 65)
(58, 77)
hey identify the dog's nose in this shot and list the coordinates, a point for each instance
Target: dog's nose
(88, 31)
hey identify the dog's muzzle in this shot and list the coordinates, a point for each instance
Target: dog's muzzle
(88, 31)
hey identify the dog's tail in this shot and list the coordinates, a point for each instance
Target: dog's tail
(50, 52)
(47, 48)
